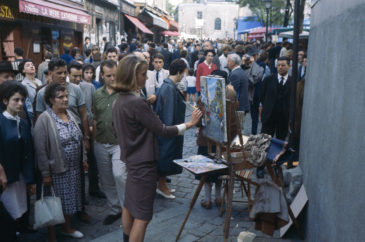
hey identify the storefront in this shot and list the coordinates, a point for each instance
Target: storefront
(129, 24)
(34, 25)
(104, 21)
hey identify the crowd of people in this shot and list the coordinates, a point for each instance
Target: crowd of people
(119, 114)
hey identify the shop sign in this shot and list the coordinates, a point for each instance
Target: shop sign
(56, 13)
(5, 12)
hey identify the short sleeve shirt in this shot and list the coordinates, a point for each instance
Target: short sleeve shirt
(102, 111)
(76, 100)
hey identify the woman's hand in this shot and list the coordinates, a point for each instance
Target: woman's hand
(85, 166)
(47, 181)
(31, 189)
(195, 118)
(152, 99)
(3, 179)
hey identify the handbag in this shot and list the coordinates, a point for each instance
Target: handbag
(48, 211)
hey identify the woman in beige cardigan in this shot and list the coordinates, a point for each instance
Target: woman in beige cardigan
(60, 152)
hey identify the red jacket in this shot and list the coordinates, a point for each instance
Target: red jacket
(203, 70)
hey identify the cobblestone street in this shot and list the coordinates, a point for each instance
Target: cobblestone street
(202, 225)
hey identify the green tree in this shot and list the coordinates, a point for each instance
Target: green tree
(170, 8)
(258, 8)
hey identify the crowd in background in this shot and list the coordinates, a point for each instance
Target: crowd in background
(57, 119)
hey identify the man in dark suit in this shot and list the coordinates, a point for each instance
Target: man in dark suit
(239, 80)
(275, 99)
(86, 46)
(166, 55)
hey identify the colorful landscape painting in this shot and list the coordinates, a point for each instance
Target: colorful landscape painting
(214, 100)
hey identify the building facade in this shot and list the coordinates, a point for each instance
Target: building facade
(35, 25)
(210, 19)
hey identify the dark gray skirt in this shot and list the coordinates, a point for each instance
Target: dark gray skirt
(140, 189)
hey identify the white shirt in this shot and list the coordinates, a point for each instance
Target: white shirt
(223, 60)
(190, 80)
(162, 75)
(285, 78)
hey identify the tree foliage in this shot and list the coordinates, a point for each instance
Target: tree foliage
(170, 8)
(258, 8)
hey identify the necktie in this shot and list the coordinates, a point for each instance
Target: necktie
(157, 76)
(281, 81)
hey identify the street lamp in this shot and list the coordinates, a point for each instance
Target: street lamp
(267, 6)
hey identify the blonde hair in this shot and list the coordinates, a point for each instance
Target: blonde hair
(126, 76)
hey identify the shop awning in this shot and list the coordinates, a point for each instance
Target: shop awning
(289, 35)
(138, 24)
(244, 25)
(157, 21)
(170, 33)
(54, 10)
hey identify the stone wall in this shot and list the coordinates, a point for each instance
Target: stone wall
(188, 22)
(333, 126)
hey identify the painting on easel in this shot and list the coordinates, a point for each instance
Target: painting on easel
(214, 100)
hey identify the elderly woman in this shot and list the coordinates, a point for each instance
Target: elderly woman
(16, 150)
(59, 146)
(137, 128)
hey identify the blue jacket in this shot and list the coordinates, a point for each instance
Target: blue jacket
(170, 108)
(239, 80)
(10, 155)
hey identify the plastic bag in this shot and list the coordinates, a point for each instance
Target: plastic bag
(48, 211)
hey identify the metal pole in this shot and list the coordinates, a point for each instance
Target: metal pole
(267, 23)
(295, 65)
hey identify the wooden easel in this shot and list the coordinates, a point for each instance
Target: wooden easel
(231, 115)
(233, 129)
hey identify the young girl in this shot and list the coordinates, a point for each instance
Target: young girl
(190, 84)
(16, 150)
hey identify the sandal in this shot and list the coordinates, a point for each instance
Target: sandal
(206, 204)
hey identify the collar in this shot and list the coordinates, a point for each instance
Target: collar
(135, 93)
(103, 89)
(235, 68)
(209, 66)
(30, 82)
(285, 77)
(11, 117)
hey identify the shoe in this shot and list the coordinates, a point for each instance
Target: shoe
(97, 193)
(76, 234)
(111, 218)
(218, 202)
(164, 194)
(206, 204)
(84, 217)
(171, 190)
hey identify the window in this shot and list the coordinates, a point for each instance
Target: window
(218, 24)
(199, 14)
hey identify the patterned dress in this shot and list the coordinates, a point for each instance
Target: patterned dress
(67, 185)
